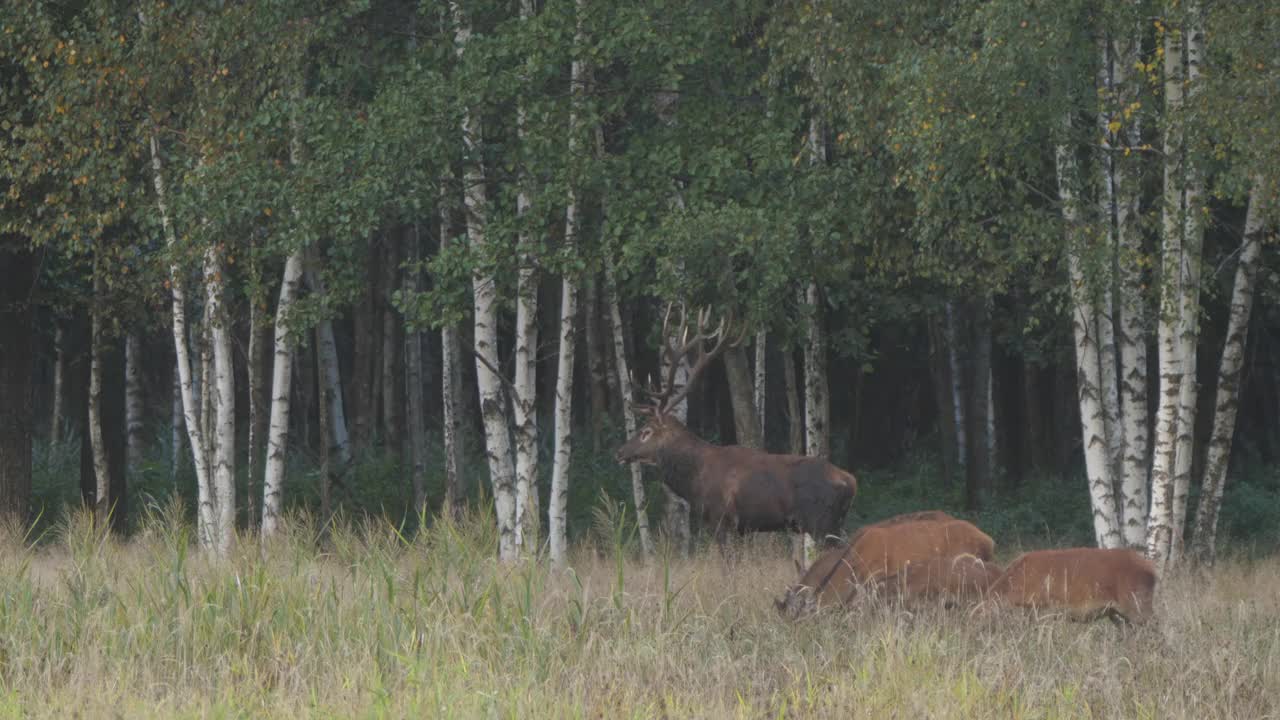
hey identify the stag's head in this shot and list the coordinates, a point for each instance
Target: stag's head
(679, 343)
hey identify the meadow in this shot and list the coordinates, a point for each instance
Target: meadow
(363, 621)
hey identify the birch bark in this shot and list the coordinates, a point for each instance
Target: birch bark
(1193, 215)
(1089, 388)
(101, 473)
(1160, 521)
(195, 435)
(628, 412)
(524, 403)
(493, 409)
(1204, 538)
(1132, 335)
(557, 513)
(282, 363)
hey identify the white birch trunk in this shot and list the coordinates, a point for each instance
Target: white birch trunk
(524, 402)
(817, 411)
(762, 345)
(101, 471)
(176, 281)
(677, 509)
(204, 347)
(628, 412)
(282, 367)
(1160, 521)
(133, 399)
(223, 392)
(1105, 286)
(1089, 373)
(1226, 403)
(416, 406)
(557, 516)
(1189, 306)
(1132, 335)
(557, 513)
(493, 409)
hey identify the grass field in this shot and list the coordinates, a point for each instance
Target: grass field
(367, 624)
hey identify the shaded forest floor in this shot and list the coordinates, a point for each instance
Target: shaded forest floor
(367, 623)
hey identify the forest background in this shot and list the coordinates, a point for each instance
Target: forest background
(1014, 259)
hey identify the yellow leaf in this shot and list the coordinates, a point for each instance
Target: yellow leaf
(266, 211)
(1114, 126)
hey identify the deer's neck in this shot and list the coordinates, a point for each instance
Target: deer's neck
(681, 464)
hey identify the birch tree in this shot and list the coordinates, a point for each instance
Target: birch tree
(1226, 402)
(177, 284)
(1193, 214)
(1160, 521)
(628, 411)
(558, 512)
(283, 354)
(223, 393)
(101, 472)
(524, 396)
(1089, 386)
(493, 409)
(1132, 335)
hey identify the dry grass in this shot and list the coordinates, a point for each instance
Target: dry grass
(374, 626)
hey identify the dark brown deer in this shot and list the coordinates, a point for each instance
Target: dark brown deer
(1084, 583)
(733, 488)
(880, 550)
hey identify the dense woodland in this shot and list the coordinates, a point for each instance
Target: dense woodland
(249, 248)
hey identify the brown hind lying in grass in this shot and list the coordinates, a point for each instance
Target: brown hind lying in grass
(1085, 583)
(880, 550)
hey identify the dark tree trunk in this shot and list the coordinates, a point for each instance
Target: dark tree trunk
(365, 348)
(940, 376)
(17, 281)
(597, 363)
(979, 466)
(326, 445)
(795, 421)
(742, 388)
(392, 344)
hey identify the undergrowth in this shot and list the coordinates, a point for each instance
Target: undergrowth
(369, 622)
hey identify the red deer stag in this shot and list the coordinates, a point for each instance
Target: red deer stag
(879, 550)
(1086, 583)
(733, 488)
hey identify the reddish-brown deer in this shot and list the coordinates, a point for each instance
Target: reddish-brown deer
(1084, 583)
(881, 550)
(733, 488)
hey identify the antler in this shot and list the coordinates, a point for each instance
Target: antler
(726, 334)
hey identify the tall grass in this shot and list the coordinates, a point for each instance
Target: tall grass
(369, 623)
